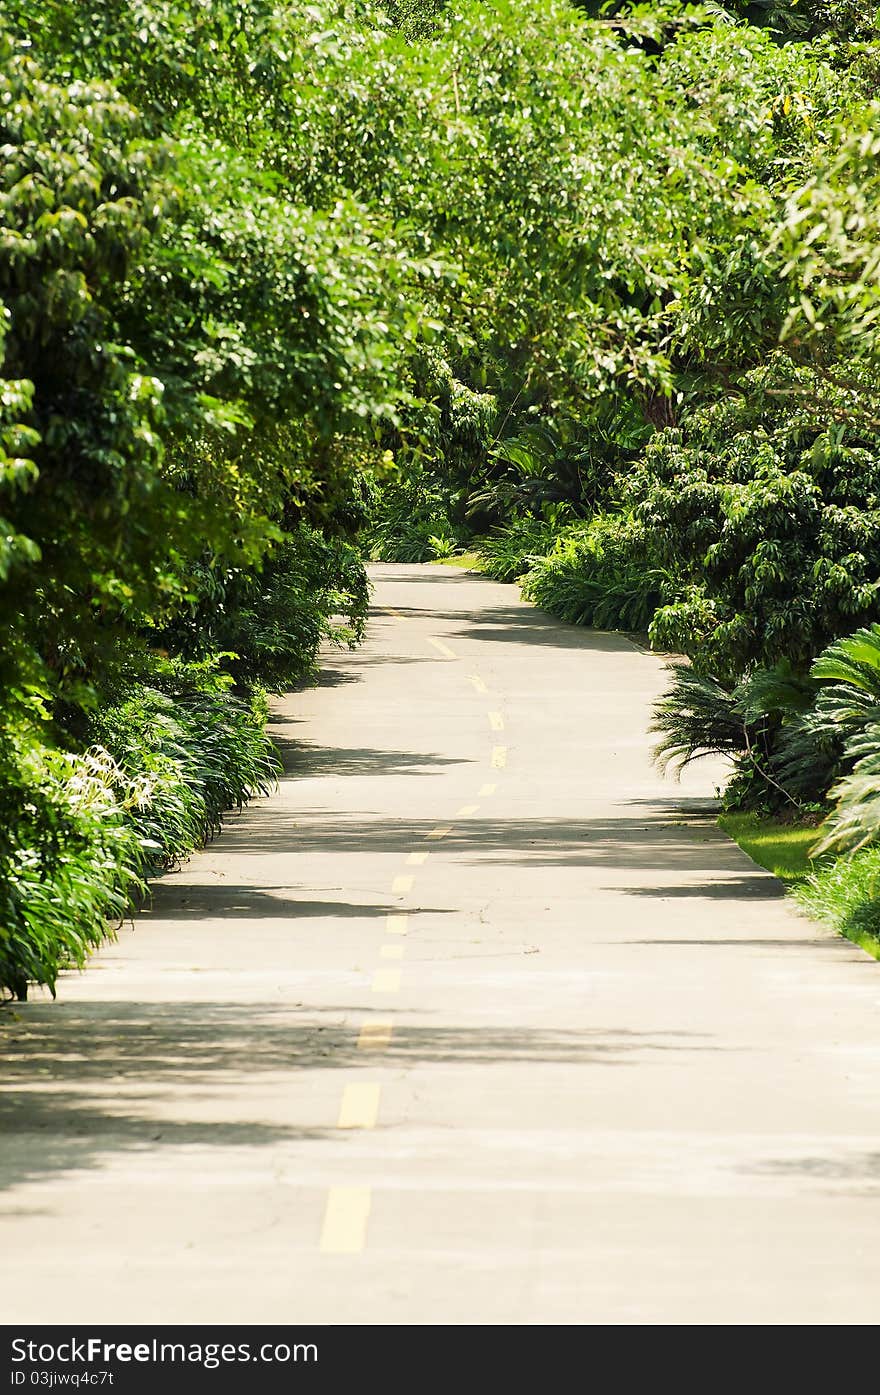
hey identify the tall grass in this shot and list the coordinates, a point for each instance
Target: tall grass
(594, 575)
(83, 831)
(71, 862)
(508, 552)
(845, 894)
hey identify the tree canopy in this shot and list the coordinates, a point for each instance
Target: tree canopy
(279, 281)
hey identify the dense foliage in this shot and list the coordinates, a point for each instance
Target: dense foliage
(713, 481)
(195, 371)
(595, 285)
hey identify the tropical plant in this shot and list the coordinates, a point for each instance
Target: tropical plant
(790, 736)
(411, 520)
(768, 524)
(509, 550)
(849, 700)
(597, 574)
(599, 284)
(185, 757)
(781, 754)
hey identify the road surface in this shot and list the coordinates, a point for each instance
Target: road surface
(478, 1019)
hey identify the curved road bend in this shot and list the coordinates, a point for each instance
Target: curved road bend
(479, 1019)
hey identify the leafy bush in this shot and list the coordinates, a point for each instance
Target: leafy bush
(507, 552)
(81, 832)
(269, 623)
(186, 757)
(596, 575)
(70, 861)
(411, 522)
(416, 540)
(768, 525)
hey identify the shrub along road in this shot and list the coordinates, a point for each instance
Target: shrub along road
(479, 1019)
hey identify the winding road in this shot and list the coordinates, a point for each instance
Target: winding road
(478, 1019)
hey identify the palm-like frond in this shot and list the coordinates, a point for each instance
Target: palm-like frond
(854, 660)
(856, 818)
(846, 708)
(806, 756)
(774, 691)
(696, 717)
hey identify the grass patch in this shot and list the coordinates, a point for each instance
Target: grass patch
(842, 892)
(845, 894)
(782, 848)
(469, 561)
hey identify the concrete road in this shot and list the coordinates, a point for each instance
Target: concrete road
(477, 1020)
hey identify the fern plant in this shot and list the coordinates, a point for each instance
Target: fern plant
(851, 702)
(764, 724)
(507, 552)
(696, 717)
(597, 574)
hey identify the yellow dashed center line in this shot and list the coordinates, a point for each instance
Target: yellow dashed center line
(344, 1231)
(375, 1035)
(386, 981)
(360, 1106)
(347, 1213)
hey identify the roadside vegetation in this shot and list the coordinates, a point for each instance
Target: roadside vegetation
(720, 491)
(590, 290)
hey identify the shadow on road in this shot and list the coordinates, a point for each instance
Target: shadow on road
(304, 758)
(631, 841)
(759, 887)
(749, 941)
(520, 625)
(861, 1167)
(182, 900)
(76, 1074)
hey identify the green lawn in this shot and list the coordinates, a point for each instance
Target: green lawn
(844, 892)
(469, 561)
(783, 848)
